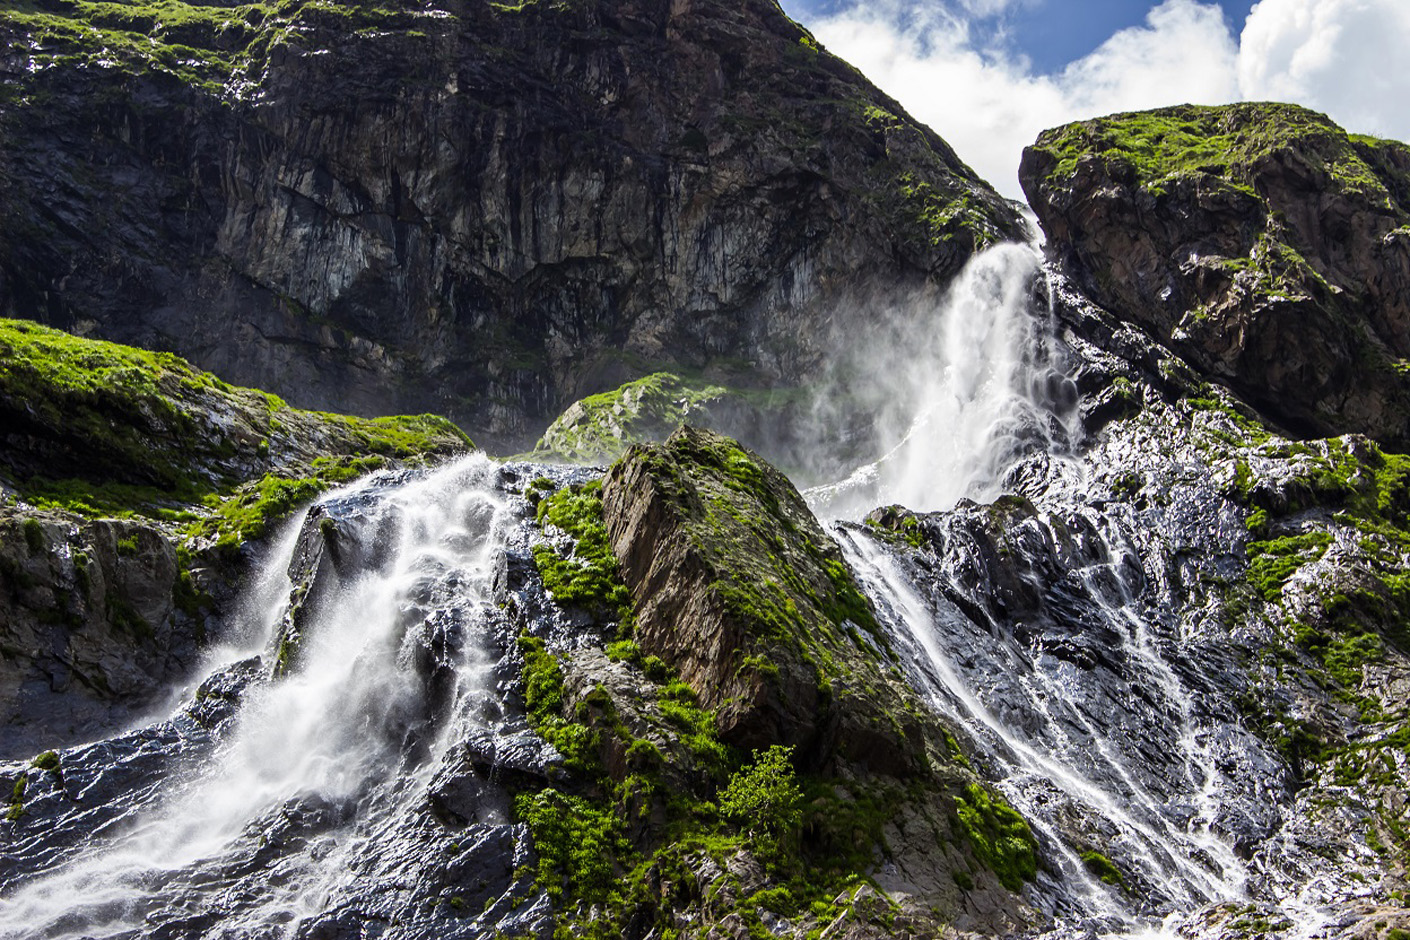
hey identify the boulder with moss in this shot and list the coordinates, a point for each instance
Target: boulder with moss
(726, 649)
(130, 485)
(738, 586)
(600, 428)
(1262, 242)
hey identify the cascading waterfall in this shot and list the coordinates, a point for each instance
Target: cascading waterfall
(313, 803)
(325, 767)
(1077, 710)
(972, 385)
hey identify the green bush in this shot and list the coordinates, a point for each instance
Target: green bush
(764, 797)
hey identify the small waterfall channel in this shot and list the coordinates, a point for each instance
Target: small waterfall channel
(280, 804)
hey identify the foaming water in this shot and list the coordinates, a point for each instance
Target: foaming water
(973, 383)
(1108, 754)
(349, 738)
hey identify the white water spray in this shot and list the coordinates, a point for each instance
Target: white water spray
(337, 738)
(971, 385)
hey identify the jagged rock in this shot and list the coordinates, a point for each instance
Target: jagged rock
(739, 588)
(89, 625)
(482, 210)
(1263, 243)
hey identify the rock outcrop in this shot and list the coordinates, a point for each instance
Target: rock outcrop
(1262, 242)
(738, 587)
(130, 485)
(482, 210)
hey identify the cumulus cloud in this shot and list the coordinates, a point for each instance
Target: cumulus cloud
(1344, 57)
(1335, 55)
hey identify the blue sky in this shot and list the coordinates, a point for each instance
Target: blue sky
(1051, 33)
(989, 75)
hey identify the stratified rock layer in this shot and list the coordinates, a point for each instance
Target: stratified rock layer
(1270, 248)
(476, 209)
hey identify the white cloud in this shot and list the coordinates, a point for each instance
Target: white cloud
(1336, 55)
(1344, 57)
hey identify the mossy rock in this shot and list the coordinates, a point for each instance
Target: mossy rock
(1261, 241)
(738, 588)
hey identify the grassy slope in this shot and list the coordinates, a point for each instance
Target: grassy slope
(103, 429)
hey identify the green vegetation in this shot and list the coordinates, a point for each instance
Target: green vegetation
(1103, 867)
(577, 842)
(589, 576)
(46, 761)
(1000, 836)
(1225, 142)
(764, 798)
(956, 213)
(203, 46)
(134, 427)
(1272, 562)
(601, 427)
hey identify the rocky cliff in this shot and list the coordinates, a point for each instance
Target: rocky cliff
(131, 485)
(1266, 245)
(478, 209)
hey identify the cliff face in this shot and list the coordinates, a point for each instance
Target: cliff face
(1262, 242)
(475, 209)
(129, 483)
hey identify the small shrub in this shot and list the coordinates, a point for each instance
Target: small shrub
(765, 798)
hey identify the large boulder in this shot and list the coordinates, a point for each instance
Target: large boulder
(738, 587)
(1266, 245)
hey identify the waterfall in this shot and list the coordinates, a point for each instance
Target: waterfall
(1086, 704)
(1105, 756)
(971, 383)
(323, 771)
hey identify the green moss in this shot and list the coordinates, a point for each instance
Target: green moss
(1225, 143)
(577, 844)
(203, 46)
(33, 536)
(588, 576)
(1103, 867)
(600, 428)
(135, 429)
(1000, 836)
(48, 760)
(1273, 562)
(543, 701)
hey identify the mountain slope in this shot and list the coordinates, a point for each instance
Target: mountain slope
(483, 210)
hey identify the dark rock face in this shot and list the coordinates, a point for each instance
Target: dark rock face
(738, 587)
(1267, 246)
(89, 619)
(465, 208)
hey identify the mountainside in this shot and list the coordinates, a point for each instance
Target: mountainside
(479, 209)
(1076, 606)
(1266, 245)
(131, 485)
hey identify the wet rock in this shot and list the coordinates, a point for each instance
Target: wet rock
(1280, 266)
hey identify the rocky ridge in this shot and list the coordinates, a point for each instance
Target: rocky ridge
(477, 209)
(1261, 242)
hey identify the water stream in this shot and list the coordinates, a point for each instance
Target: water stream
(327, 766)
(313, 808)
